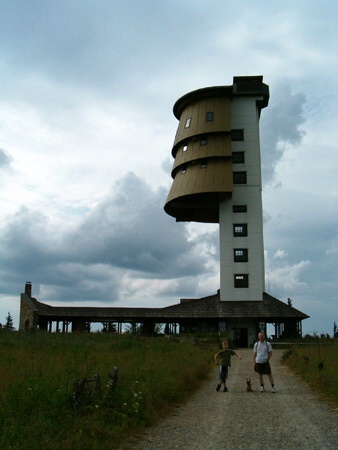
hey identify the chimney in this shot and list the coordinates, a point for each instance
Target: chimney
(28, 288)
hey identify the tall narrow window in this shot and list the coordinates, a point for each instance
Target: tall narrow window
(241, 280)
(185, 148)
(209, 117)
(240, 229)
(187, 122)
(239, 177)
(237, 135)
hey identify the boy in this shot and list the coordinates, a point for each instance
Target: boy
(223, 358)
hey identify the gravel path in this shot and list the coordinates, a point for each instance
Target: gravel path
(292, 418)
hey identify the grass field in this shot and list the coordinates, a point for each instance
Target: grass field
(39, 411)
(317, 364)
(37, 371)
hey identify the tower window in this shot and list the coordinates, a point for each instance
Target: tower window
(203, 164)
(204, 140)
(241, 255)
(185, 148)
(241, 280)
(237, 135)
(239, 208)
(240, 229)
(238, 158)
(184, 169)
(239, 177)
(187, 122)
(209, 117)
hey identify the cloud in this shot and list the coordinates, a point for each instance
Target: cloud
(129, 229)
(286, 279)
(280, 127)
(127, 235)
(280, 254)
(5, 159)
(333, 247)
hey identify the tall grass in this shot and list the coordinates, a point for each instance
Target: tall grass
(317, 364)
(37, 372)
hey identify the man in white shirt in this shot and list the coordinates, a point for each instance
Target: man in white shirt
(262, 354)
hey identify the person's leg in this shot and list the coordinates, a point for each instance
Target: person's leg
(226, 368)
(272, 383)
(260, 377)
(221, 379)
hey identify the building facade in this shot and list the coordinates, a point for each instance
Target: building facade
(217, 177)
(238, 320)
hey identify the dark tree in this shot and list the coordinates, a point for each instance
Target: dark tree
(9, 322)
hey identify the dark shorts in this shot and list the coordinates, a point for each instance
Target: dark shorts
(263, 368)
(223, 373)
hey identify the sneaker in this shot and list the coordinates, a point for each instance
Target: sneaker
(261, 389)
(273, 390)
(225, 389)
(218, 387)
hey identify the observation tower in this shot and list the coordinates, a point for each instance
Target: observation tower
(217, 177)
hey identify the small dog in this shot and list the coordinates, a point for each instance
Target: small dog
(248, 385)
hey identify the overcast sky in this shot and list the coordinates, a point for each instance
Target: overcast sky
(86, 130)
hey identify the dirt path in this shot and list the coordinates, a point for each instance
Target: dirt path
(292, 418)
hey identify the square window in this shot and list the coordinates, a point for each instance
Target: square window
(241, 280)
(239, 177)
(239, 208)
(187, 122)
(237, 135)
(204, 140)
(240, 229)
(209, 117)
(241, 255)
(238, 158)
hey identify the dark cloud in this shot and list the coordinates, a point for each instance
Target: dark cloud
(95, 46)
(127, 231)
(302, 258)
(130, 229)
(280, 127)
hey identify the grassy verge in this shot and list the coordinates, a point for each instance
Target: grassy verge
(37, 372)
(317, 364)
